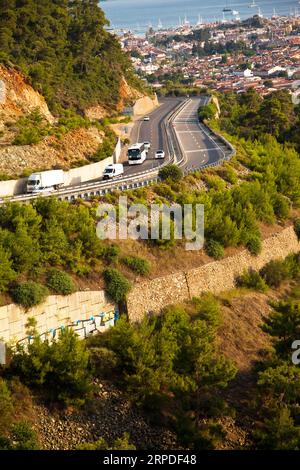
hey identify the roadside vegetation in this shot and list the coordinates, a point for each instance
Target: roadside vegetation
(258, 188)
(169, 367)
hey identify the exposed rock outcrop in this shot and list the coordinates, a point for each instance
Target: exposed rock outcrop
(17, 97)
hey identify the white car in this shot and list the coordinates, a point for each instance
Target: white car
(159, 154)
(146, 118)
(147, 145)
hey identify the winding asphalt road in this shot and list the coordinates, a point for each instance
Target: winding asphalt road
(198, 144)
(152, 131)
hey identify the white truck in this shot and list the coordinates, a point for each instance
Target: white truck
(113, 170)
(45, 181)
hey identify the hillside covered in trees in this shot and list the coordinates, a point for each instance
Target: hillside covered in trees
(63, 48)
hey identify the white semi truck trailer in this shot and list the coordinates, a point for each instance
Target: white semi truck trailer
(45, 181)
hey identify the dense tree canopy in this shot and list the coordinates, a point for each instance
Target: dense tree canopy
(65, 50)
(249, 115)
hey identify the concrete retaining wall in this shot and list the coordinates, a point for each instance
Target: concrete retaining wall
(73, 177)
(86, 173)
(150, 296)
(215, 277)
(55, 312)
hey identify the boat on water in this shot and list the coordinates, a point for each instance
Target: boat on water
(253, 4)
(227, 8)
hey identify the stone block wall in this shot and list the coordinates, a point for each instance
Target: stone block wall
(215, 277)
(55, 312)
(146, 297)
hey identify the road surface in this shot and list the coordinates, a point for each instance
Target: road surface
(198, 144)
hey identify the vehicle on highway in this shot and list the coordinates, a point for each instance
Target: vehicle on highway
(113, 170)
(136, 154)
(160, 154)
(45, 181)
(147, 146)
(146, 118)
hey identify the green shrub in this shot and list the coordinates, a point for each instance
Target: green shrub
(121, 443)
(165, 191)
(111, 253)
(60, 282)
(103, 362)
(251, 279)
(171, 172)
(117, 286)
(60, 367)
(281, 206)
(28, 294)
(29, 136)
(214, 249)
(254, 244)
(297, 228)
(7, 274)
(6, 406)
(229, 175)
(208, 309)
(274, 273)
(207, 112)
(138, 265)
(292, 264)
(24, 437)
(106, 148)
(215, 182)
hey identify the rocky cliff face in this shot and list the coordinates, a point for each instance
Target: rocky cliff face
(76, 146)
(17, 97)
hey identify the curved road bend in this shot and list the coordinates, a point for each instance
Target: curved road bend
(152, 131)
(198, 145)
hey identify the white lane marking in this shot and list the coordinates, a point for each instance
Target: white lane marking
(200, 150)
(188, 132)
(213, 141)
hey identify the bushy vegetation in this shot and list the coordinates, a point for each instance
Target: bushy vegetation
(250, 116)
(60, 367)
(208, 112)
(121, 443)
(170, 172)
(138, 265)
(47, 234)
(65, 51)
(117, 286)
(297, 228)
(278, 381)
(252, 280)
(170, 364)
(272, 274)
(28, 294)
(60, 282)
(22, 437)
(214, 249)
(254, 244)
(33, 127)
(13, 435)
